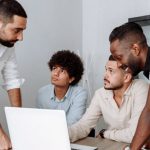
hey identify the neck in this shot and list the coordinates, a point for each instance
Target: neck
(118, 94)
(60, 91)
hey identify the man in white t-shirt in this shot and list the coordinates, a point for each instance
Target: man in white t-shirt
(119, 102)
(13, 19)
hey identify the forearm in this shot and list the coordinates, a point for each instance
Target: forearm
(75, 114)
(120, 135)
(15, 97)
(78, 131)
(83, 127)
(143, 128)
(4, 140)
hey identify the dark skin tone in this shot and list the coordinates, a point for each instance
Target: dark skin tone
(135, 55)
(142, 134)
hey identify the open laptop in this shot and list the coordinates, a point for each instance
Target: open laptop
(38, 129)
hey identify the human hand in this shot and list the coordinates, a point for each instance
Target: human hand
(126, 147)
(5, 143)
(147, 145)
(98, 136)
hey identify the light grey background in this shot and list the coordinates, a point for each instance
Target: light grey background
(80, 25)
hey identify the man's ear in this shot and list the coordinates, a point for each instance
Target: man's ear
(136, 49)
(127, 77)
(71, 79)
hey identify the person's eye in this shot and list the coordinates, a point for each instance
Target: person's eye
(111, 71)
(62, 70)
(118, 58)
(16, 31)
(53, 68)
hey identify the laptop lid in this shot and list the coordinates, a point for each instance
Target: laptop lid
(37, 129)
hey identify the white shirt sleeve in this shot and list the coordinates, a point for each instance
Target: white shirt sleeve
(10, 74)
(89, 120)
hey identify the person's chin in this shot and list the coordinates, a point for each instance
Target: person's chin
(106, 84)
(54, 82)
(8, 44)
(106, 87)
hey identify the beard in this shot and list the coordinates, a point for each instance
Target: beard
(112, 87)
(8, 43)
(134, 65)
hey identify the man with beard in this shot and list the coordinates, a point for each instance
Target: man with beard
(119, 102)
(13, 20)
(128, 46)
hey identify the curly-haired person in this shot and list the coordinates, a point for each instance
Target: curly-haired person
(63, 93)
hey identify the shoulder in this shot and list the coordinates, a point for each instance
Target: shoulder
(78, 93)
(45, 88)
(78, 89)
(139, 86)
(140, 83)
(102, 92)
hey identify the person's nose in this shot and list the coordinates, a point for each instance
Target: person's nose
(119, 64)
(20, 36)
(105, 75)
(56, 72)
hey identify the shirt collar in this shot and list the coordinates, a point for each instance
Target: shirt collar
(110, 95)
(147, 64)
(53, 97)
(52, 94)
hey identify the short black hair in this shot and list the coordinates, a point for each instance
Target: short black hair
(70, 61)
(123, 67)
(130, 31)
(9, 8)
(111, 58)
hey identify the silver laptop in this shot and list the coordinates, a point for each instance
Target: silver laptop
(37, 129)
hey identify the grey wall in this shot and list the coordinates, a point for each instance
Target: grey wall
(52, 25)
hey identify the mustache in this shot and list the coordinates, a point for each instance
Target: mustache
(12, 41)
(106, 80)
(7, 41)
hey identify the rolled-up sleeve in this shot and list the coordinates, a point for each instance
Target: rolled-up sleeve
(89, 120)
(10, 74)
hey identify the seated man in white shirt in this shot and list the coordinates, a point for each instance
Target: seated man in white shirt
(119, 102)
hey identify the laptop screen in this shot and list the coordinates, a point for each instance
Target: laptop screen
(37, 129)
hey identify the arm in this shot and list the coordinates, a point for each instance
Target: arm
(4, 140)
(139, 100)
(12, 82)
(89, 120)
(78, 107)
(15, 97)
(143, 128)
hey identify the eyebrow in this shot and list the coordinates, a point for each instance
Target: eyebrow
(107, 67)
(20, 29)
(124, 67)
